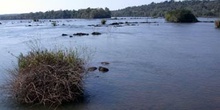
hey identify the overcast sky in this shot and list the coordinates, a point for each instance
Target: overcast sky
(24, 6)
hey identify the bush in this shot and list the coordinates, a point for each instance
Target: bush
(48, 77)
(54, 23)
(103, 21)
(180, 16)
(217, 23)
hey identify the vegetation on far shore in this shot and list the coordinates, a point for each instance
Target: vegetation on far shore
(201, 8)
(48, 77)
(180, 16)
(89, 13)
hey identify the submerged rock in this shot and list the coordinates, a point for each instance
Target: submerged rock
(95, 25)
(131, 23)
(103, 69)
(206, 21)
(116, 23)
(148, 22)
(105, 63)
(96, 33)
(81, 34)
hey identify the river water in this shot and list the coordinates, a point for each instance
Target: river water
(153, 66)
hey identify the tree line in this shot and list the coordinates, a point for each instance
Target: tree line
(89, 13)
(200, 8)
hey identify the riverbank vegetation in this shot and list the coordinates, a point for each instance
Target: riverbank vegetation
(201, 8)
(180, 16)
(89, 13)
(48, 77)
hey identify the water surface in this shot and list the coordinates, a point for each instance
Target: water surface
(157, 66)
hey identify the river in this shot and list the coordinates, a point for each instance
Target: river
(153, 66)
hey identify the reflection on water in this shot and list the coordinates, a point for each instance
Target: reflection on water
(152, 67)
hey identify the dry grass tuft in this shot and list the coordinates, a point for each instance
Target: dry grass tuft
(48, 77)
(217, 24)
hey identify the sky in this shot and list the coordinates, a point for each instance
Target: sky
(26, 6)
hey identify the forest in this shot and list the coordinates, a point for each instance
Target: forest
(89, 13)
(204, 8)
(200, 8)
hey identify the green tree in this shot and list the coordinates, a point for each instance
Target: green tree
(180, 16)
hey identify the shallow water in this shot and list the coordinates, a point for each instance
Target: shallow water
(162, 66)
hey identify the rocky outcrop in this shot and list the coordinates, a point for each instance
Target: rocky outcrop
(81, 34)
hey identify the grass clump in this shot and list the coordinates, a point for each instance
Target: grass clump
(103, 21)
(54, 23)
(48, 77)
(217, 23)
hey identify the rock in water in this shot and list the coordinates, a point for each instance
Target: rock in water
(103, 69)
(91, 69)
(64, 34)
(96, 33)
(80, 34)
